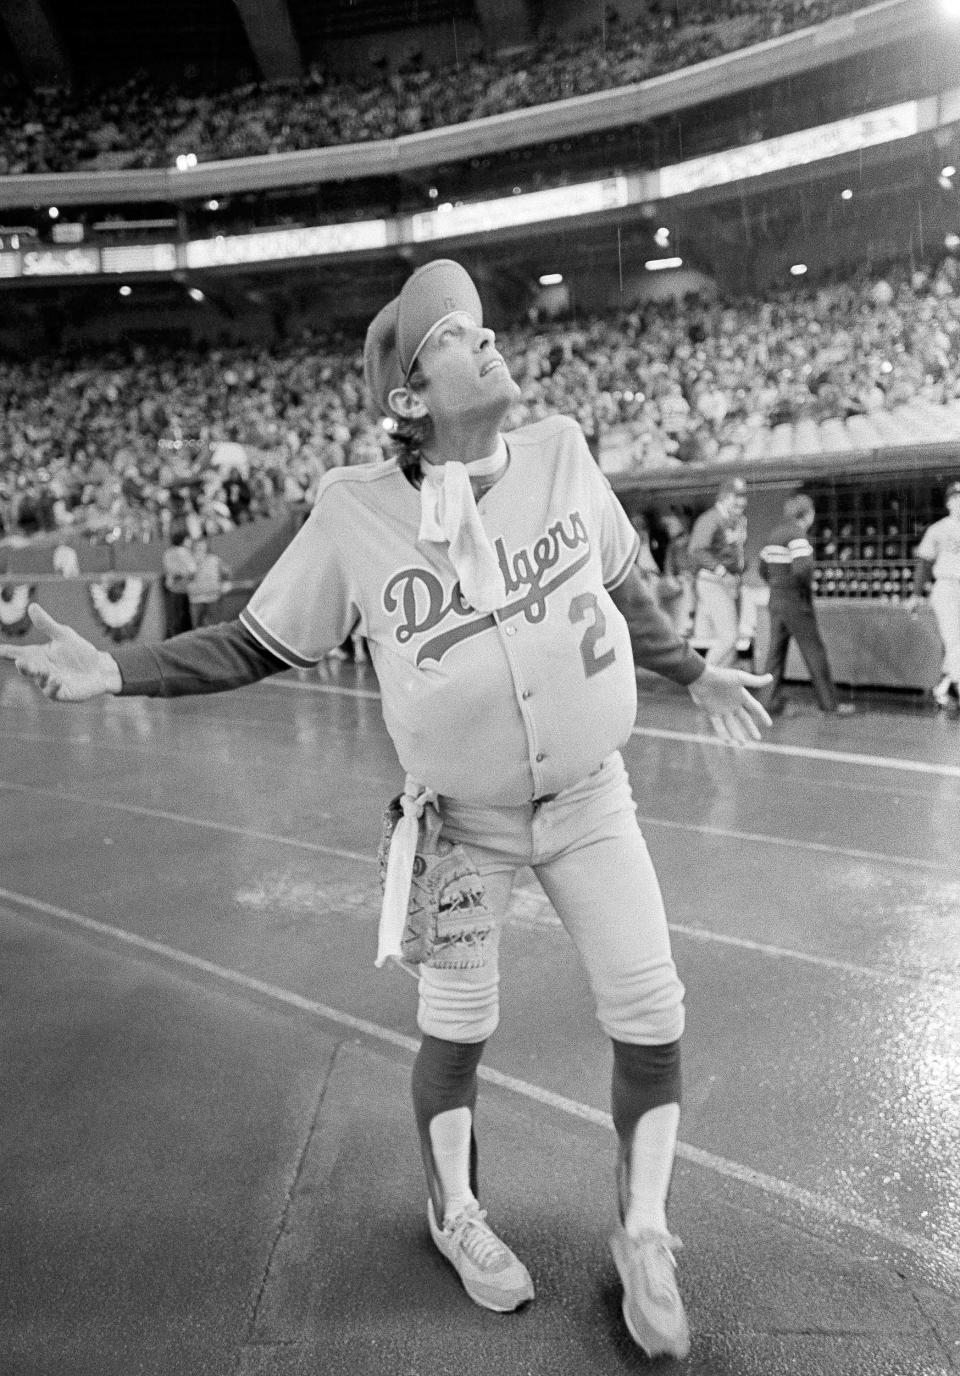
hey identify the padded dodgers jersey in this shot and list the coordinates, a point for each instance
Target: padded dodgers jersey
(500, 707)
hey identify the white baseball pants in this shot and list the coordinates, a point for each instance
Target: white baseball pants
(587, 851)
(945, 602)
(717, 618)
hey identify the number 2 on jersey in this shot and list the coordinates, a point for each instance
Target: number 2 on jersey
(583, 605)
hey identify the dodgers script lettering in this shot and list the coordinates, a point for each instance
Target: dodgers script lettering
(425, 607)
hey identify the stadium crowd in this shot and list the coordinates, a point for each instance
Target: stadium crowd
(117, 445)
(138, 124)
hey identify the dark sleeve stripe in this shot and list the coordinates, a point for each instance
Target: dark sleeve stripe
(631, 560)
(273, 644)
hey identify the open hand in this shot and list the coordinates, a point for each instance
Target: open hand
(66, 668)
(735, 714)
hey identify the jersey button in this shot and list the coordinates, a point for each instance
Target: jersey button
(525, 694)
(541, 757)
(510, 630)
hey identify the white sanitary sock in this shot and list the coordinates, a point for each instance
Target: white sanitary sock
(651, 1165)
(450, 1144)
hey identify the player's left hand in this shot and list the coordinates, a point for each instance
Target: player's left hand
(735, 714)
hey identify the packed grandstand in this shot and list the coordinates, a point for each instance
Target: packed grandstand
(99, 442)
(107, 437)
(139, 124)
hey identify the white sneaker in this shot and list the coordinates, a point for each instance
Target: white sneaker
(492, 1276)
(652, 1308)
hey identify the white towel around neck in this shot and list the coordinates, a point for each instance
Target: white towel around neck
(448, 514)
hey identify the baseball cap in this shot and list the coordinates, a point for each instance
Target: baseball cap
(952, 489)
(399, 331)
(733, 487)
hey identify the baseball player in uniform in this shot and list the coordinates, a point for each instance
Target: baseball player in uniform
(493, 577)
(716, 552)
(938, 557)
(786, 565)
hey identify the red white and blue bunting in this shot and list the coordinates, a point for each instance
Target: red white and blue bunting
(119, 604)
(14, 600)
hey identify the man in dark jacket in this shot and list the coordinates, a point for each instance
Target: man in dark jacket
(786, 564)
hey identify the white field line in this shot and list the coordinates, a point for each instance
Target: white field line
(809, 752)
(806, 752)
(339, 853)
(821, 1205)
(698, 828)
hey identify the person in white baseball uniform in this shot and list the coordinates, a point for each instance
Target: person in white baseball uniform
(493, 576)
(938, 558)
(716, 552)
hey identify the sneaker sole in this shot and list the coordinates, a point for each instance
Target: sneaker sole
(486, 1301)
(654, 1344)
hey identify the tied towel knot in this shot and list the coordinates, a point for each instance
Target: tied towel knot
(448, 513)
(396, 887)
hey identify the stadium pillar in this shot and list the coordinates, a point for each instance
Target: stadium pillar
(505, 23)
(36, 40)
(272, 40)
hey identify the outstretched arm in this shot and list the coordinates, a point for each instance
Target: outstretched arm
(68, 668)
(735, 714)
(65, 667)
(724, 694)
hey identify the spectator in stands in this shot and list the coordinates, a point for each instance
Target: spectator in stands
(66, 562)
(646, 563)
(207, 584)
(238, 497)
(786, 565)
(716, 554)
(676, 592)
(179, 567)
(938, 557)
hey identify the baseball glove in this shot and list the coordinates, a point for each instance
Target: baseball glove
(448, 922)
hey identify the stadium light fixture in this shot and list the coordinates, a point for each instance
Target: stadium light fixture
(660, 264)
(846, 194)
(551, 279)
(126, 291)
(798, 269)
(195, 294)
(951, 242)
(212, 205)
(54, 213)
(662, 237)
(948, 171)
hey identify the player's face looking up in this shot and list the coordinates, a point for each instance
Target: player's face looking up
(461, 380)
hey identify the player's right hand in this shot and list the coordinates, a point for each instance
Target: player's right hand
(66, 667)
